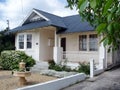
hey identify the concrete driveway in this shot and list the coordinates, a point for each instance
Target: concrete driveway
(109, 80)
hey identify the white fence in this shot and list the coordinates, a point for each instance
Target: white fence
(80, 56)
(93, 70)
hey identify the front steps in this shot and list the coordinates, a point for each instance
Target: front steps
(40, 65)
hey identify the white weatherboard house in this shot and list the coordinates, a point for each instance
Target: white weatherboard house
(45, 37)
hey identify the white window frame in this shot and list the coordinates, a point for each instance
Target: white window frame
(19, 41)
(29, 41)
(25, 41)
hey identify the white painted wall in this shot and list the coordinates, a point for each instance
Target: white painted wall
(72, 48)
(34, 51)
(46, 44)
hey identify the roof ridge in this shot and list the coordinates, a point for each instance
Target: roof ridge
(46, 12)
(71, 16)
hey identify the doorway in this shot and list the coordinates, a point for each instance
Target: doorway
(63, 43)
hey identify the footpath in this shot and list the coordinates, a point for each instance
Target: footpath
(109, 80)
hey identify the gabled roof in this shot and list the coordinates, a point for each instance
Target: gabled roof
(67, 24)
(30, 26)
(55, 20)
(75, 23)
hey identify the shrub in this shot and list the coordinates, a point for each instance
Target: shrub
(84, 67)
(10, 59)
(57, 67)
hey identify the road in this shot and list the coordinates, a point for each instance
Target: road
(109, 80)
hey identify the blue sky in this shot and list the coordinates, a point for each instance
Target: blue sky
(2, 0)
(16, 10)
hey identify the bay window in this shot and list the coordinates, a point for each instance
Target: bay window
(29, 41)
(21, 41)
(25, 41)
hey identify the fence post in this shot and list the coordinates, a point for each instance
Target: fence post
(91, 68)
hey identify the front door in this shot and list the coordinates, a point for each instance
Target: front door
(63, 43)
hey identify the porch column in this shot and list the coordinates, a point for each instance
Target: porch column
(57, 56)
(102, 55)
(55, 39)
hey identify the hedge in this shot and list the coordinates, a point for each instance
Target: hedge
(10, 59)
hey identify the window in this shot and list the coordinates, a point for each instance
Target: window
(29, 41)
(83, 42)
(21, 41)
(93, 42)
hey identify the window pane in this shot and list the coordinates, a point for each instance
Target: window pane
(29, 44)
(83, 42)
(21, 38)
(21, 41)
(29, 40)
(21, 45)
(93, 42)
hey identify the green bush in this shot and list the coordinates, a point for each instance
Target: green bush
(10, 59)
(84, 67)
(57, 67)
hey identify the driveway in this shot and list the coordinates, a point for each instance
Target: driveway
(109, 80)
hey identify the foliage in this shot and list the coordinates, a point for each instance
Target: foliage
(10, 59)
(84, 67)
(104, 15)
(7, 41)
(59, 67)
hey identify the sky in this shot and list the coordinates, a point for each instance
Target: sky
(16, 10)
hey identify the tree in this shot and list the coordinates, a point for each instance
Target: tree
(104, 15)
(7, 41)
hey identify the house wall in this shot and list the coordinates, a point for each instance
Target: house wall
(46, 44)
(42, 43)
(72, 48)
(34, 51)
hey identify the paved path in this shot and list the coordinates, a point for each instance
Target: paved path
(110, 80)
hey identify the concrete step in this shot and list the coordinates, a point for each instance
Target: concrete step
(40, 66)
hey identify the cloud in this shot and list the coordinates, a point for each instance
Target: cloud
(16, 10)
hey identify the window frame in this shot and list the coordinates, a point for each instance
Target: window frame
(29, 41)
(24, 41)
(94, 41)
(82, 43)
(21, 41)
(81, 48)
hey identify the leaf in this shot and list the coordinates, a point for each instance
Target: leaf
(107, 6)
(93, 3)
(80, 2)
(101, 27)
(109, 18)
(83, 5)
(110, 28)
(116, 25)
(105, 42)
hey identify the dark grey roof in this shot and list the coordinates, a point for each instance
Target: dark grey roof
(55, 20)
(30, 26)
(76, 24)
(67, 24)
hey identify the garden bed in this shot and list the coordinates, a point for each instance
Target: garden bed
(9, 82)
